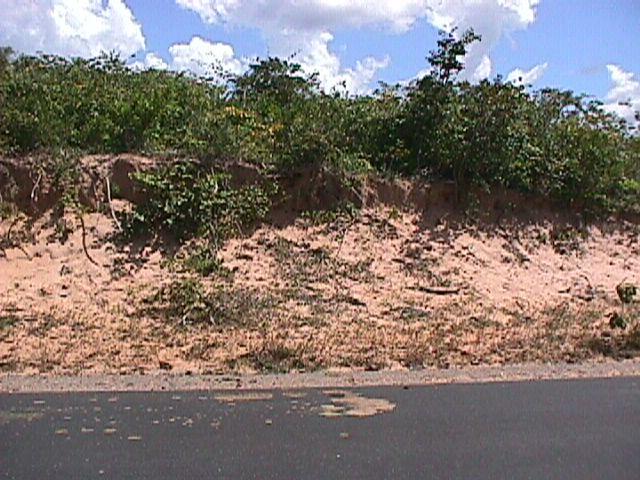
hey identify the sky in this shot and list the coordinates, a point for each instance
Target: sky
(589, 46)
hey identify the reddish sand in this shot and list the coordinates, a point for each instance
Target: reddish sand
(391, 288)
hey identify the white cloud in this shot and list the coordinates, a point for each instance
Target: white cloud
(154, 61)
(492, 19)
(482, 70)
(528, 77)
(305, 29)
(204, 58)
(88, 27)
(309, 15)
(314, 55)
(304, 26)
(83, 28)
(198, 57)
(151, 61)
(358, 80)
(624, 97)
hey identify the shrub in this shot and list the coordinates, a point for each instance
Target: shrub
(188, 302)
(190, 200)
(490, 134)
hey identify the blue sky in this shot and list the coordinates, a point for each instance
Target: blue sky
(578, 38)
(588, 46)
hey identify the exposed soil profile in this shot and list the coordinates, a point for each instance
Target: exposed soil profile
(407, 280)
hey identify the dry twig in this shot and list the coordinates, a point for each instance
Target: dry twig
(113, 212)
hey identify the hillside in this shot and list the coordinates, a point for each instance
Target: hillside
(154, 220)
(385, 273)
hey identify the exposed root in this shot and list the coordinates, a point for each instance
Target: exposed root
(113, 212)
(34, 190)
(84, 240)
(9, 230)
(439, 290)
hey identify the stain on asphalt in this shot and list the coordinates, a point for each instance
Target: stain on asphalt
(19, 416)
(294, 394)
(243, 397)
(350, 404)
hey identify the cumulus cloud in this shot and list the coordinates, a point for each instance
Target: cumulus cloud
(527, 77)
(312, 51)
(310, 15)
(624, 96)
(83, 28)
(205, 58)
(305, 30)
(154, 61)
(199, 57)
(151, 61)
(310, 24)
(482, 70)
(492, 19)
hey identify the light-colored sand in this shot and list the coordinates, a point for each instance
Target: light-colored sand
(402, 285)
(355, 295)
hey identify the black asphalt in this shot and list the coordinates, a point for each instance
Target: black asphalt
(540, 430)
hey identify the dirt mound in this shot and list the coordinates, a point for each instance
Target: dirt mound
(36, 184)
(407, 280)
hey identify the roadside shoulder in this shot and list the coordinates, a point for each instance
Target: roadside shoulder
(10, 383)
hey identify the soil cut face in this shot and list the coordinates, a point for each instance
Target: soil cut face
(406, 281)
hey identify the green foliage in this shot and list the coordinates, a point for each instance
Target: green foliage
(447, 60)
(274, 85)
(343, 212)
(100, 105)
(189, 302)
(7, 210)
(493, 134)
(204, 261)
(617, 321)
(189, 200)
(7, 322)
(5, 58)
(488, 134)
(626, 292)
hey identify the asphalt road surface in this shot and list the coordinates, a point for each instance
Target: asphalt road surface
(586, 429)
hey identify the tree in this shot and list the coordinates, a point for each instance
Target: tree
(279, 81)
(5, 58)
(448, 60)
(436, 127)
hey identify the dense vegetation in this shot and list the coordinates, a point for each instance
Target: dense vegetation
(490, 134)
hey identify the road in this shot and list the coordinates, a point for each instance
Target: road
(587, 429)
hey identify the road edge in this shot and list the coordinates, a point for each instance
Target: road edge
(162, 381)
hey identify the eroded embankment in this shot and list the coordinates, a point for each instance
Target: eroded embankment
(404, 280)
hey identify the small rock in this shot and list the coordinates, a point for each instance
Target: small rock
(164, 365)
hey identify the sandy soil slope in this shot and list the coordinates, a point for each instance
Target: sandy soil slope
(399, 285)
